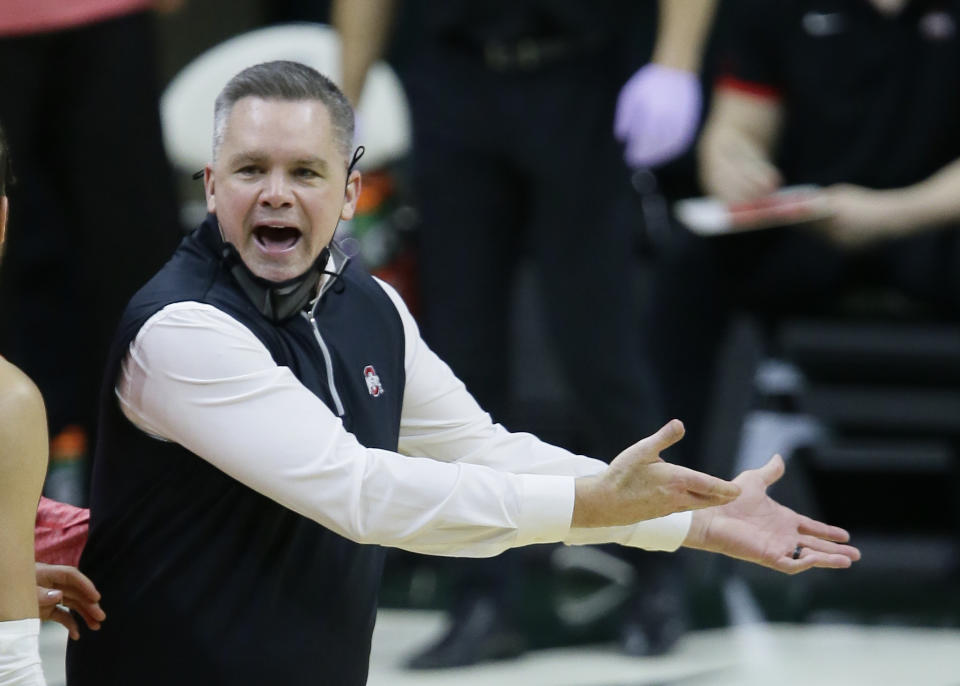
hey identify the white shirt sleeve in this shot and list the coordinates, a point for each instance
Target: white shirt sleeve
(20, 653)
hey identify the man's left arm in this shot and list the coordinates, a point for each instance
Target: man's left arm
(443, 421)
(863, 215)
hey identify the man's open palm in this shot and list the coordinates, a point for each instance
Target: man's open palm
(756, 528)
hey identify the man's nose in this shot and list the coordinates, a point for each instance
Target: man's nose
(276, 191)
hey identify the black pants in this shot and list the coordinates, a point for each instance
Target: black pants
(515, 163)
(700, 282)
(93, 212)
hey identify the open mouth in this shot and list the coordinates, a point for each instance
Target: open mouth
(276, 239)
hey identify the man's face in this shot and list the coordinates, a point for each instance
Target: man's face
(279, 184)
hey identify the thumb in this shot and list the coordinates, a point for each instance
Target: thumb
(48, 597)
(669, 434)
(773, 470)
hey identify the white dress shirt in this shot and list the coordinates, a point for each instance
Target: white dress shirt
(459, 484)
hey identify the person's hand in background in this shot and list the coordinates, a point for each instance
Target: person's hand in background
(60, 585)
(657, 114)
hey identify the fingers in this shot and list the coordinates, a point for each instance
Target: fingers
(91, 613)
(669, 434)
(812, 527)
(760, 178)
(772, 471)
(813, 552)
(49, 601)
(788, 565)
(48, 597)
(68, 579)
(63, 617)
(809, 559)
(696, 501)
(72, 589)
(51, 607)
(736, 174)
(709, 487)
(828, 547)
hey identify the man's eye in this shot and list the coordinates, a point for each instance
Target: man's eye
(306, 173)
(249, 170)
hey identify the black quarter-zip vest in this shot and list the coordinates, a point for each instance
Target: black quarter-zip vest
(204, 580)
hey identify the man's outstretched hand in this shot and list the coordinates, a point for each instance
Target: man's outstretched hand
(756, 528)
(59, 585)
(639, 485)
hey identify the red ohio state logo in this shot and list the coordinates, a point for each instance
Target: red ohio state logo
(373, 381)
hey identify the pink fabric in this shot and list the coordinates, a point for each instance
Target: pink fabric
(60, 532)
(37, 16)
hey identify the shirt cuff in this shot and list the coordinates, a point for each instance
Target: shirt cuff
(664, 533)
(546, 508)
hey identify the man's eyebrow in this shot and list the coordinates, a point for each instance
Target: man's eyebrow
(247, 158)
(313, 162)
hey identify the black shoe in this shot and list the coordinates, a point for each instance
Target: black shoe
(479, 633)
(656, 622)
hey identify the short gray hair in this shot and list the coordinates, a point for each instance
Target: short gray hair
(289, 81)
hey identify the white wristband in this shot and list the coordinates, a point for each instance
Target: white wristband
(20, 653)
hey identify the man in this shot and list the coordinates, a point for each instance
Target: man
(29, 591)
(262, 418)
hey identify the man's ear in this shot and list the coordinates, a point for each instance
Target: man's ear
(4, 208)
(351, 195)
(208, 189)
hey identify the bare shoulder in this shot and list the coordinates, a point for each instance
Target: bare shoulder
(23, 424)
(19, 396)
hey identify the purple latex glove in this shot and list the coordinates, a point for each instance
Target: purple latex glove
(657, 114)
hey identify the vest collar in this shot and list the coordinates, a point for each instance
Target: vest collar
(275, 300)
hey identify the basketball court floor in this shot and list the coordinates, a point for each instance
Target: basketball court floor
(745, 655)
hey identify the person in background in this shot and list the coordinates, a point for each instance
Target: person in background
(514, 109)
(85, 77)
(29, 591)
(859, 99)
